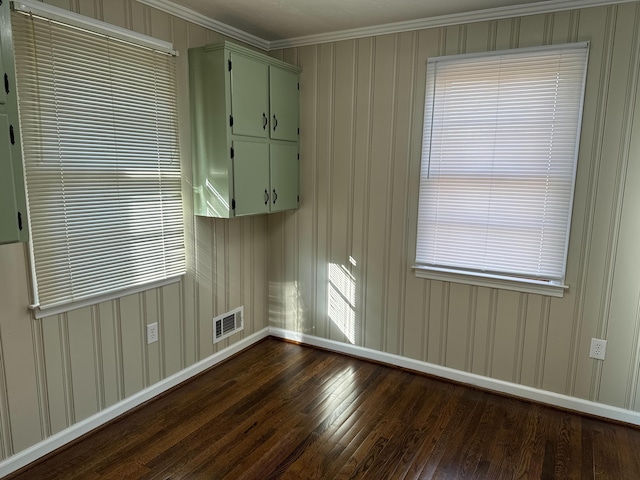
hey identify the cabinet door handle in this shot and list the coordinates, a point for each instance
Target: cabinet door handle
(266, 196)
(264, 121)
(275, 196)
(275, 122)
(6, 81)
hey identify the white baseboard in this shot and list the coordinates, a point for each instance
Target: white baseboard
(67, 435)
(522, 391)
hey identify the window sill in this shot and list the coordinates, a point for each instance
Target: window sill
(48, 311)
(491, 281)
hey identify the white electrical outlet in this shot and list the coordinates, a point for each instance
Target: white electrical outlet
(152, 333)
(598, 348)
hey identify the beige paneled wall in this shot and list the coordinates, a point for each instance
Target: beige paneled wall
(341, 265)
(57, 371)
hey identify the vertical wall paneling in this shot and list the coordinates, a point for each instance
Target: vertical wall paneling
(132, 344)
(6, 448)
(82, 359)
(110, 360)
(505, 335)
(563, 28)
(324, 149)
(478, 37)
(219, 259)
(364, 65)
(588, 287)
(533, 30)
(18, 352)
(566, 30)
(90, 8)
(98, 367)
(308, 198)
(406, 81)
(530, 339)
(381, 141)
(481, 330)
(41, 376)
(631, 233)
(398, 179)
(205, 278)
(56, 404)
(634, 398)
(623, 277)
(457, 326)
(277, 295)
(114, 12)
(151, 316)
(291, 245)
(615, 144)
(389, 324)
(416, 306)
(170, 314)
(339, 282)
(523, 302)
(434, 315)
(190, 315)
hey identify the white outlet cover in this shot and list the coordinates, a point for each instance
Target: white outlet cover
(152, 333)
(598, 348)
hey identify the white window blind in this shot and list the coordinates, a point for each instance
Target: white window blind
(99, 131)
(500, 143)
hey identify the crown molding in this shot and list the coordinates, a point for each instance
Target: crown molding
(546, 6)
(204, 21)
(534, 8)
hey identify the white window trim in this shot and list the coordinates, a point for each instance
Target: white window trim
(506, 282)
(96, 26)
(489, 280)
(67, 307)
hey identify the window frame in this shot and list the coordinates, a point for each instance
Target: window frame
(116, 288)
(554, 288)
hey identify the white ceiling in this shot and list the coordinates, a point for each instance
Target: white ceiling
(283, 19)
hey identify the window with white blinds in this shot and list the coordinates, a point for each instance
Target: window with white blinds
(499, 153)
(99, 132)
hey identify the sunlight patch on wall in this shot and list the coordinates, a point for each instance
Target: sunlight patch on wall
(342, 299)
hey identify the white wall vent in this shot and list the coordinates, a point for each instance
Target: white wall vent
(227, 324)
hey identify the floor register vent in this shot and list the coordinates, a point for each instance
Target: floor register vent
(227, 324)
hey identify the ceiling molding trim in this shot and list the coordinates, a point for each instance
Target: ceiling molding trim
(204, 21)
(542, 7)
(535, 8)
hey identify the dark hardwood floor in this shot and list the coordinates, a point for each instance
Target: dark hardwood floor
(280, 410)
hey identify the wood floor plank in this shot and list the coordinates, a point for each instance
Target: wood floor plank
(285, 411)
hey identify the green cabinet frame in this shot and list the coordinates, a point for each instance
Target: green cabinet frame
(245, 131)
(13, 203)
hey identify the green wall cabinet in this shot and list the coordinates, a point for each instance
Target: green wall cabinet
(245, 124)
(13, 205)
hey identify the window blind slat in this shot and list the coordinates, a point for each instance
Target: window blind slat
(499, 154)
(101, 160)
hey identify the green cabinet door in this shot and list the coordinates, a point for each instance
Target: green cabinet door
(251, 177)
(283, 88)
(249, 96)
(9, 231)
(284, 177)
